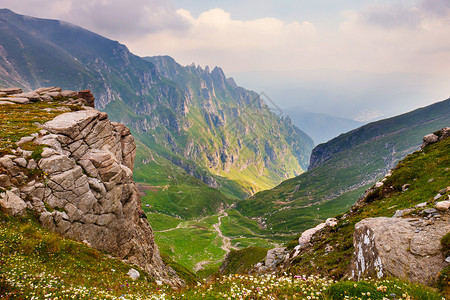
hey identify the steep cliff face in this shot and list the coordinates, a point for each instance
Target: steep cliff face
(229, 130)
(80, 185)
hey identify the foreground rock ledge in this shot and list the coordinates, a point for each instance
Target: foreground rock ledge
(88, 193)
(400, 247)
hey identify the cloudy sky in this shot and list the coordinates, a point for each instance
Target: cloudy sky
(354, 57)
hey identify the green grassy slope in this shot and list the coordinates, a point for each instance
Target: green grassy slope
(37, 263)
(426, 171)
(333, 186)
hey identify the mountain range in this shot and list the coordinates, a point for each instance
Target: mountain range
(341, 169)
(194, 119)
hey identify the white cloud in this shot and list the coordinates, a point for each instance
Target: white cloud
(399, 37)
(116, 19)
(394, 38)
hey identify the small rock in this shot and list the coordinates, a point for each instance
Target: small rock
(12, 203)
(47, 152)
(159, 282)
(69, 94)
(437, 196)
(448, 259)
(25, 140)
(405, 187)
(21, 162)
(443, 191)
(430, 211)
(16, 100)
(32, 164)
(11, 91)
(443, 205)
(401, 213)
(429, 139)
(421, 205)
(379, 184)
(134, 274)
(331, 222)
(5, 102)
(431, 180)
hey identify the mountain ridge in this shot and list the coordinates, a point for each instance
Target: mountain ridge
(203, 106)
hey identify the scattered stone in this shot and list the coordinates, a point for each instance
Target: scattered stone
(403, 212)
(429, 139)
(16, 100)
(443, 205)
(447, 259)
(24, 140)
(54, 94)
(21, 162)
(421, 205)
(379, 184)
(69, 94)
(430, 211)
(274, 257)
(443, 191)
(12, 204)
(437, 196)
(32, 96)
(87, 96)
(6, 102)
(134, 274)
(431, 180)
(405, 187)
(47, 89)
(331, 222)
(308, 234)
(11, 91)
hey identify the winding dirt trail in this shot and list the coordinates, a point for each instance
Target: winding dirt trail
(226, 242)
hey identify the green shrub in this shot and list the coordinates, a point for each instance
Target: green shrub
(49, 246)
(445, 242)
(443, 281)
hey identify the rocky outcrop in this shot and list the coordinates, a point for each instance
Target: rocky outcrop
(408, 248)
(435, 137)
(82, 188)
(408, 244)
(16, 95)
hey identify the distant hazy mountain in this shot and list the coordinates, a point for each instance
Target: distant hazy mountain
(341, 169)
(192, 119)
(320, 127)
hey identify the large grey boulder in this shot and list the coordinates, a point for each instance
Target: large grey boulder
(401, 247)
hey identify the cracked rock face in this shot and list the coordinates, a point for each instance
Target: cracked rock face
(88, 193)
(402, 247)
